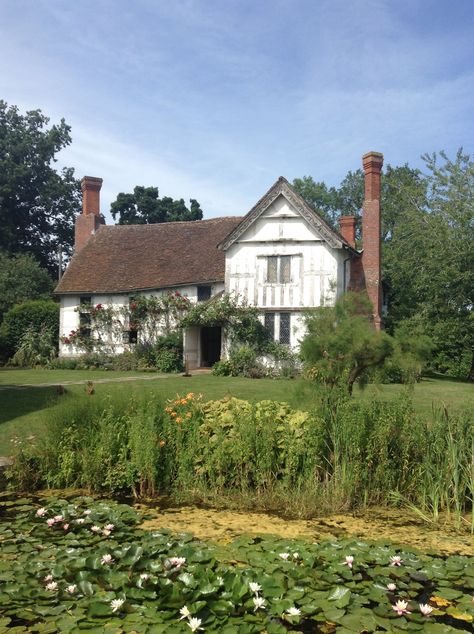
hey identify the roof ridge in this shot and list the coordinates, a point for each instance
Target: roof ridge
(175, 222)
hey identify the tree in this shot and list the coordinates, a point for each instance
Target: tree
(430, 262)
(145, 206)
(38, 205)
(35, 315)
(22, 278)
(341, 344)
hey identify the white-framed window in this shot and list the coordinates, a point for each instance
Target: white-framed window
(278, 269)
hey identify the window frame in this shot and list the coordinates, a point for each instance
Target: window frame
(281, 272)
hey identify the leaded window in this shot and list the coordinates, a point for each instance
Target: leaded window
(203, 293)
(270, 324)
(285, 330)
(278, 269)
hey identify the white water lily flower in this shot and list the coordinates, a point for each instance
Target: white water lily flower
(144, 576)
(391, 586)
(177, 561)
(52, 586)
(259, 603)
(48, 578)
(185, 613)
(116, 604)
(95, 529)
(109, 527)
(80, 520)
(42, 511)
(195, 624)
(400, 607)
(349, 560)
(105, 533)
(425, 609)
(107, 559)
(87, 512)
(255, 587)
(71, 589)
(58, 518)
(293, 612)
(296, 555)
(284, 555)
(396, 560)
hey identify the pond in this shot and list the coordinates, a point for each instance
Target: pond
(79, 564)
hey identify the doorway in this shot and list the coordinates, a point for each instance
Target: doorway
(210, 345)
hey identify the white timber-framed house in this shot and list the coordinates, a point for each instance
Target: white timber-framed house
(281, 257)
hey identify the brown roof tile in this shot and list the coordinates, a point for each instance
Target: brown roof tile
(123, 258)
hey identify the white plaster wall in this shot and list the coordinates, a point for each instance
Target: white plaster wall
(69, 313)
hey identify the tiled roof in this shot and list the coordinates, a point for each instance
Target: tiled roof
(124, 258)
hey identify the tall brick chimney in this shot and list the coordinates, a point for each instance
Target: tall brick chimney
(371, 233)
(90, 220)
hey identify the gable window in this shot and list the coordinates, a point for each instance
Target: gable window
(270, 324)
(279, 269)
(285, 332)
(203, 293)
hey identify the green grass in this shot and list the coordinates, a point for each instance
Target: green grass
(24, 411)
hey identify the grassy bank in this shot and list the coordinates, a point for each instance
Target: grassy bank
(24, 410)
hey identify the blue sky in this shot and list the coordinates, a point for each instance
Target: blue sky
(214, 99)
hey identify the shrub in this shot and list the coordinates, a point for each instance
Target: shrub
(35, 348)
(35, 315)
(168, 352)
(242, 361)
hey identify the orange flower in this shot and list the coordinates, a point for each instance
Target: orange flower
(168, 409)
(190, 395)
(173, 414)
(179, 419)
(183, 401)
(162, 443)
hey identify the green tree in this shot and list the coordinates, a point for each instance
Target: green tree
(37, 204)
(341, 344)
(22, 278)
(145, 206)
(430, 262)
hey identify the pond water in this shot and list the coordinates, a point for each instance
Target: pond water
(395, 525)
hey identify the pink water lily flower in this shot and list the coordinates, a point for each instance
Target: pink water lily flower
(42, 511)
(396, 560)
(425, 609)
(349, 561)
(177, 561)
(107, 559)
(71, 589)
(52, 586)
(51, 522)
(400, 607)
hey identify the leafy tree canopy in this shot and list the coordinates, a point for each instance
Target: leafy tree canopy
(37, 204)
(145, 206)
(22, 278)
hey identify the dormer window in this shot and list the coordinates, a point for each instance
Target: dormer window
(278, 269)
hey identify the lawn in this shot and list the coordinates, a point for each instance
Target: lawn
(24, 410)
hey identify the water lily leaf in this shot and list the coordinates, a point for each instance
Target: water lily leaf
(86, 587)
(99, 609)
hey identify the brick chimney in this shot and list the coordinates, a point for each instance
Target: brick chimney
(347, 229)
(371, 233)
(90, 220)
